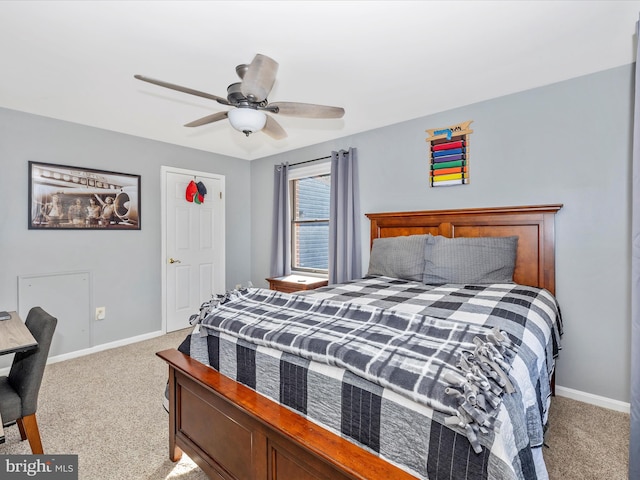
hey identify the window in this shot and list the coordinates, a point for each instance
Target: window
(310, 189)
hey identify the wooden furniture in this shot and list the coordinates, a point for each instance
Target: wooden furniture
(534, 226)
(232, 432)
(14, 337)
(22, 385)
(295, 283)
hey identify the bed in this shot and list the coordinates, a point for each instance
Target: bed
(234, 427)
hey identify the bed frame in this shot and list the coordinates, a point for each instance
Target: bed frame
(234, 433)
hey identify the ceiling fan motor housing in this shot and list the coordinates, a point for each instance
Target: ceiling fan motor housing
(237, 98)
(234, 95)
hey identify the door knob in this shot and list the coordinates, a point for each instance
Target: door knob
(171, 260)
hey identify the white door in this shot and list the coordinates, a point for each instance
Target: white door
(193, 250)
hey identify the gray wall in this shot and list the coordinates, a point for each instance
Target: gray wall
(125, 266)
(566, 143)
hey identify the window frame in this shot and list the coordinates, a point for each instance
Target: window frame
(299, 173)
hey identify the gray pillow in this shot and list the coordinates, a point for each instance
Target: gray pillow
(470, 260)
(398, 257)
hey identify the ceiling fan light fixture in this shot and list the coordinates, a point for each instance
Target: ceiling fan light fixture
(247, 120)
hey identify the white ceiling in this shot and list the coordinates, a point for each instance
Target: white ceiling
(383, 61)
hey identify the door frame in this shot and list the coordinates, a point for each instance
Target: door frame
(164, 170)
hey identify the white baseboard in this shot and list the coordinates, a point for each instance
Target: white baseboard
(104, 346)
(97, 348)
(592, 399)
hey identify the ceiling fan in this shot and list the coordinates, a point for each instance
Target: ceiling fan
(249, 99)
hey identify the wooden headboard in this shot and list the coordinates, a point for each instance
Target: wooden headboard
(534, 225)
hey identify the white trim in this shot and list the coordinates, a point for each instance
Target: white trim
(164, 170)
(96, 349)
(296, 173)
(299, 173)
(592, 399)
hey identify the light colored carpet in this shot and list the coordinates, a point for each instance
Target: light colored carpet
(586, 442)
(107, 409)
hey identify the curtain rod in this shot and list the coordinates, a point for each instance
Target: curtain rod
(309, 161)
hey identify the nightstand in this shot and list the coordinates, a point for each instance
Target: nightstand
(294, 283)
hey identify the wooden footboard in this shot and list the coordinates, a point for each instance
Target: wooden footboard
(232, 432)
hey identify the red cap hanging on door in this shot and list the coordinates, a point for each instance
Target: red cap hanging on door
(192, 190)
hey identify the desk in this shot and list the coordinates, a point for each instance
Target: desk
(14, 337)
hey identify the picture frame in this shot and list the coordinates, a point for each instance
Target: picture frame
(63, 197)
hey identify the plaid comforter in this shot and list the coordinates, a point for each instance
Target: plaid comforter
(399, 345)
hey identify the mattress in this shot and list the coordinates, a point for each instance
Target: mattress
(416, 435)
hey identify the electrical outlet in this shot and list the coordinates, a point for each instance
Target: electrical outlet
(101, 313)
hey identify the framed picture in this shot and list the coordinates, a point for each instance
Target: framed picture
(64, 197)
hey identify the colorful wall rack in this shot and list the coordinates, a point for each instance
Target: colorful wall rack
(449, 155)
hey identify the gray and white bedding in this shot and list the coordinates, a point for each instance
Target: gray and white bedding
(394, 366)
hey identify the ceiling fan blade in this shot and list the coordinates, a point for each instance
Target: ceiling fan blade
(273, 129)
(190, 91)
(208, 119)
(307, 110)
(259, 78)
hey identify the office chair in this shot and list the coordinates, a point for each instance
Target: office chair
(19, 391)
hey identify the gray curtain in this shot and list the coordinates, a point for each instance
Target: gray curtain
(345, 261)
(280, 242)
(634, 441)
